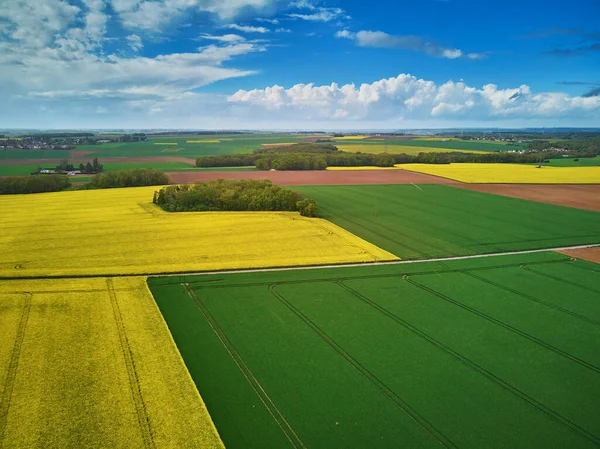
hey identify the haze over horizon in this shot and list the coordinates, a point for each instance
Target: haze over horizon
(303, 64)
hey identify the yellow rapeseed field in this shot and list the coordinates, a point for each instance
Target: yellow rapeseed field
(91, 363)
(509, 173)
(120, 231)
(396, 149)
(165, 143)
(203, 141)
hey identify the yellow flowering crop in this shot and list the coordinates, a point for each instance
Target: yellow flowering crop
(203, 141)
(165, 143)
(91, 363)
(397, 149)
(120, 231)
(509, 173)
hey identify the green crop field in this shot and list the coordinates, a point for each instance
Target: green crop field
(479, 353)
(33, 154)
(163, 146)
(574, 162)
(428, 221)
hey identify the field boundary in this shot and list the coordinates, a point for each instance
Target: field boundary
(359, 264)
(300, 267)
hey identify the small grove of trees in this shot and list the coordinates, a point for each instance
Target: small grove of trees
(233, 195)
(65, 166)
(34, 184)
(94, 167)
(127, 178)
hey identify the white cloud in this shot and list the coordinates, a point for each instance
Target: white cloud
(452, 53)
(248, 29)
(223, 38)
(415, 43)
(158, 14)
(321, 15)
(409, 98)
(33, 23)
(283, 30)
(345, 34)
(302, 4)
(135, 42)
(271, 21)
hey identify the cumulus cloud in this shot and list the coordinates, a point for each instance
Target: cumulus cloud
(409, 98)
(156, 14)
(415, 43)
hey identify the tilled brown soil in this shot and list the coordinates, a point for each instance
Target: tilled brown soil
(589, 254)
(316, 177)
(84, 160)
(580, 196)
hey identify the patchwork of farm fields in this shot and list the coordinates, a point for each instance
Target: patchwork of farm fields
(491, 352)
(120, 232)
(398, 149)
(509, 173)
(91, 363)
(430, 221)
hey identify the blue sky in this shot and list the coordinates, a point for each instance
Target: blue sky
(298, 64)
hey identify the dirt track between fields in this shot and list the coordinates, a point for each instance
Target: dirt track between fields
(84, 160)
(579, 196)
(589, 254)
(315, 177)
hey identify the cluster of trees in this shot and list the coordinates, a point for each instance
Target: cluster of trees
(65, 166)
(232, 195)
(127, 178)
(34, 184)
(291, 161)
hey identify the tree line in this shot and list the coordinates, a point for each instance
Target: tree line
(127, 178)
(233, 195)
(320, 161)
(34, 184)
(56, 183)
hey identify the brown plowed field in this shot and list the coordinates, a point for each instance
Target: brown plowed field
(80, 153)
(84, 160)
(580, 196)
(316, 177)
(589, 254)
